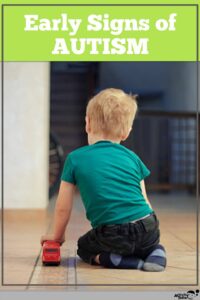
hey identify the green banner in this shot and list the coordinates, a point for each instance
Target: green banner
(99, 32)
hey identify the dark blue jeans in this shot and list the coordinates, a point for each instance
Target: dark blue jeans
(138, 239)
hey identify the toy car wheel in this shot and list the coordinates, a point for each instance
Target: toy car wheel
(50, 264)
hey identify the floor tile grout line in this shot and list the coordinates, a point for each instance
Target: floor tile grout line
(179, 268)
(68, 257)
(75, 270)
(181, 240)
(33, 271)
(36, 261)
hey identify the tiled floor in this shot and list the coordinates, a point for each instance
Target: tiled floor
(22, 262)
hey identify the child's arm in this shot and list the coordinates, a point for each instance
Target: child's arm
(62, 212)
(144, 193)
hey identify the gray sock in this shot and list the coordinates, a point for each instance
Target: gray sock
(156, 260)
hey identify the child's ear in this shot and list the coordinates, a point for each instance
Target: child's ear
(87, 124)
(124, 137)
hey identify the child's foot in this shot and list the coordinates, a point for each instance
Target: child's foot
(156, 260)
(111, 260)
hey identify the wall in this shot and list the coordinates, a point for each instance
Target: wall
(182, 87)
(26, 134)
(176, 80)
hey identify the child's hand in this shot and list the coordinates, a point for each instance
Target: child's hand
(45, 238)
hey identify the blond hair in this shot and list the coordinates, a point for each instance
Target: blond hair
(111, 113)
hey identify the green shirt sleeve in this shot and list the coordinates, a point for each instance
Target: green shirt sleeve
(143, 170)
(68, 171)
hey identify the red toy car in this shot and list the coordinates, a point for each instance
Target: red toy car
(51, 253)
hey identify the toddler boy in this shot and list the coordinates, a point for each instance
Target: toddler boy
(125, 230)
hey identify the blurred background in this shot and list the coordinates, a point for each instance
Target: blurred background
(44, 112)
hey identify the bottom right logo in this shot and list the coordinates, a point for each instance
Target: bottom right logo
(188, 295)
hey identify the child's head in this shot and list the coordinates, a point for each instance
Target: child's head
(110, 114)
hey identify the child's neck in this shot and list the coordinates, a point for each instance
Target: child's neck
(93, 138)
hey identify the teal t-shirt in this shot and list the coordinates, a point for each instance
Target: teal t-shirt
(108, 177)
